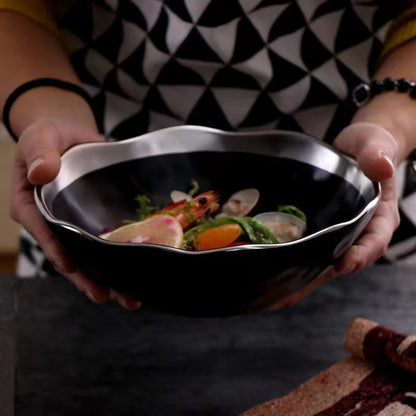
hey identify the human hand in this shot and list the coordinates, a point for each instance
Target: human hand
(37, 162)
(376, 152)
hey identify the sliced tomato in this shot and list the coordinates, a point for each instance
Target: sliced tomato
(217, 237)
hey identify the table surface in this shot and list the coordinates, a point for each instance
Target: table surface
(61, 354)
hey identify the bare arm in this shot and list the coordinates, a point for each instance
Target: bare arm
(381, 136)
(395, 111)
(33, 51)
(47, 121)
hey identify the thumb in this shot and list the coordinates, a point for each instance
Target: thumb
(372, 146)
(375, 163)
(40, 150)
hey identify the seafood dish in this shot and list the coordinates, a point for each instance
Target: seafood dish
(201, 222)
(127, 191)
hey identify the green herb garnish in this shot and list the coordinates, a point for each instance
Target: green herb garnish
(145, 208)
(291, 209)
(194, 187)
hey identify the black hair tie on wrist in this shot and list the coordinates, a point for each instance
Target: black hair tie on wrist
(35, 83)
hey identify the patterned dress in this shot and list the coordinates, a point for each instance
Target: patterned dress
(234, 64)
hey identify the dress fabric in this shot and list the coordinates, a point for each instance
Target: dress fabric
(250, 65)
(236, 65)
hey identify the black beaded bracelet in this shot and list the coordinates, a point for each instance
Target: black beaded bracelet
(35, 83)
(363, 92)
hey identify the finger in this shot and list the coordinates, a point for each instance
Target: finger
(126, 301)
(95, 292)
(373, 147)
(24, 211)
(37, 161)
(34, 225)
(31, 219)
(376, 237)
(364, 252)
(39, 147)
(375, 163)
(57, 256)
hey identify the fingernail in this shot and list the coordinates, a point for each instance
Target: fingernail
(91, 297)
(35, 164)
(387, 159)
(130, 304)
(134, 304)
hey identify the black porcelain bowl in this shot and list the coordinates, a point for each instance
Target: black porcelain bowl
(98, 182)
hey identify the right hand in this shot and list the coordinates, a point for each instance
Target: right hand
(37, 162)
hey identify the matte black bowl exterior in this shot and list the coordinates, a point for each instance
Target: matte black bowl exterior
(98, 182)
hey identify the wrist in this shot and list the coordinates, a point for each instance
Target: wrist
(394, 112)
(48, 102)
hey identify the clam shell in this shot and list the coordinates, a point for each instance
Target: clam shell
(285, 227)
(240, 203)
(177, 196)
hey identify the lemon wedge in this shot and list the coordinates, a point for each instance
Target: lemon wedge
(159, 229)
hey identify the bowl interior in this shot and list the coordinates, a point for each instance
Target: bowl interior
(102, 199)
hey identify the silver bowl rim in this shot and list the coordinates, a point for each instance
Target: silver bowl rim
(49, 217)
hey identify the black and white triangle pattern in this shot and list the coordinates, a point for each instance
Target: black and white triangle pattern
(233, 65)
(254, 64)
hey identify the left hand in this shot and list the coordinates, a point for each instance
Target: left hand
(375, 150)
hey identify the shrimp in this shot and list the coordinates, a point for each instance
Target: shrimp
(188, 213)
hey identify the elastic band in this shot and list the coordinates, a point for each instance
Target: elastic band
(35, 83)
